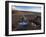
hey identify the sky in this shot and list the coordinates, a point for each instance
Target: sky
(28, 8)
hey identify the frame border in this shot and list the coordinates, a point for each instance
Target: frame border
(7, 17)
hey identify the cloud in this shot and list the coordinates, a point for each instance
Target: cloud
(28, 8)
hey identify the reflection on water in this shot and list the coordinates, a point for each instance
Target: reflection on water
(23, 20)
(28, 22)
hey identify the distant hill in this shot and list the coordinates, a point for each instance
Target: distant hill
(25, 12)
